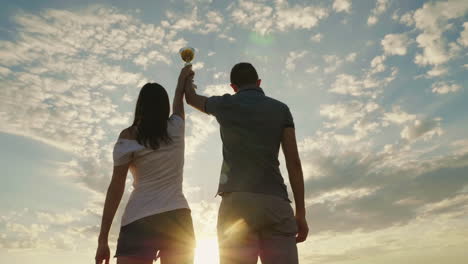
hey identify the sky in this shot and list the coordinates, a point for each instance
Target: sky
(378, 91)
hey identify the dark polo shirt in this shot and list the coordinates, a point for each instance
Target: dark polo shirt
(251, 127)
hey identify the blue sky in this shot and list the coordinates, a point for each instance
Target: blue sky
(378, 91)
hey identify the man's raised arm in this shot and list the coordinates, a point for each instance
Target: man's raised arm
(296, 178)
(193, 99)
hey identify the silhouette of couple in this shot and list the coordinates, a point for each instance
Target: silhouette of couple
(255, 216)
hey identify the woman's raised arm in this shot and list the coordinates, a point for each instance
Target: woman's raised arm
(186, 75)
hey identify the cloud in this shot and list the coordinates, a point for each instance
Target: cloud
(312, 69)
(397, 116)
(199, 126)
(342, 114)
(463, 40)
(407, 19)
(221, 75)
(351, 57)
(347, 84)
(445, 87)
(49, 231)
(380, 8)
(395, 44)
(226, 37)
(293, 56)
(368, 86)
(342, 6)
(432, 20)
(151, 58)
(316, 38)
(210, 22)
(437, 71)
(204, 215)
(198, 65)
(217, 89)
(377, 64)
(366, 191)
(425, 129)
(66, 82)
(265, 19)
(298, 17)
(333, 62)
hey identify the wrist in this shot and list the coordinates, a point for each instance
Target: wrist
(300, 213)
(103, 239)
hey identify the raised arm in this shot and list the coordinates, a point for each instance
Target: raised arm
(193, 99)
(296, 178)
(185, 76)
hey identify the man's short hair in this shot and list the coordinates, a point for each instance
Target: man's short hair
(243, 73)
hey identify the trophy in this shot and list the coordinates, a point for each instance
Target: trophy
(187, 55)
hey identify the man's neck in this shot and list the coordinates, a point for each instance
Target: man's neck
(248, 86)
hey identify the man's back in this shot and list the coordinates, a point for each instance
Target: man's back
(251, 129)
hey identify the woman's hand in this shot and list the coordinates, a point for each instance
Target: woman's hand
(102, 253)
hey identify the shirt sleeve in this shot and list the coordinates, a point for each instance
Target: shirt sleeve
(178, 124)
(122, 153)
(214, 104)
(288, 121)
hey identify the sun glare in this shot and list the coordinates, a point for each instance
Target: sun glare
(206, 251)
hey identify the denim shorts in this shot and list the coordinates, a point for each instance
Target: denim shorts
(170, 231)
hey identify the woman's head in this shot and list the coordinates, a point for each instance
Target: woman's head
(151, 115)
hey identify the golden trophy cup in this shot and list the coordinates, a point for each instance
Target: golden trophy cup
(187, 54)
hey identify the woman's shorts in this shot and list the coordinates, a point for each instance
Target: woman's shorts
(170, 231)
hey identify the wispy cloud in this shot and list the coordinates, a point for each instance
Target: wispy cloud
(342, 6)
(281, 16)
(380, 7)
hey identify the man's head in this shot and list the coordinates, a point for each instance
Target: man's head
(243, 74)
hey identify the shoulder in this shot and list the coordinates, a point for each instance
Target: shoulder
(220, 98)
(128, 133)
(277, 103)
(176, 120)
(214, 104)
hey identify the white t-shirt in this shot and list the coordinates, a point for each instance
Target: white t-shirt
(157, 174)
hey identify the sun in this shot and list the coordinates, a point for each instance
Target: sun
(206, 251)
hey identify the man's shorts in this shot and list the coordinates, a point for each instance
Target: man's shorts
(252, 225)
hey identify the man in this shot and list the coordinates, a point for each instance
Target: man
(255, 216)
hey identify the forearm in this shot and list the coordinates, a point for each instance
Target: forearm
(296, 180)
(178, 103)
(190, 93)
(193, 99)
(113, 198)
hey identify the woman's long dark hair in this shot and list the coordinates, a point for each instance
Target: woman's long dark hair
(151, 115)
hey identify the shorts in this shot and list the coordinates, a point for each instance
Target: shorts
(252, 225)
(167, 232)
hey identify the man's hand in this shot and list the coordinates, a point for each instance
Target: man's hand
(302, 229)
(102, 253)
(186, 73)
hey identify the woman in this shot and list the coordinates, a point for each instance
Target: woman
(157, 216)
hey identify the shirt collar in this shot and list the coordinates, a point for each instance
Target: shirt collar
(251, 88)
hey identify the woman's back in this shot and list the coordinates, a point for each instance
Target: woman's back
(157, 173)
